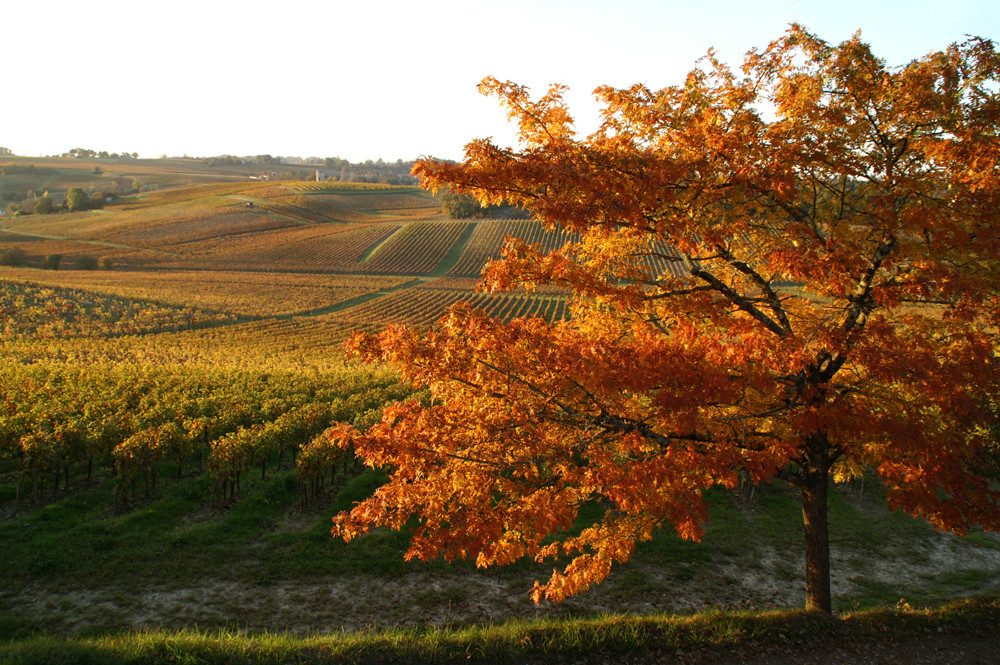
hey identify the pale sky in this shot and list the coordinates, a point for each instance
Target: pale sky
(371, 79)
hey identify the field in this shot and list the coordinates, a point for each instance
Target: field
(304, 261)
(159, 459)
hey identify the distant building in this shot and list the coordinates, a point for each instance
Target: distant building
(320, 175)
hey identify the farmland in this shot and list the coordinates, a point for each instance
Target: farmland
(160, 420)
(343, 253)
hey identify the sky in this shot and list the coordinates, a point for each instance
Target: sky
(382, 79)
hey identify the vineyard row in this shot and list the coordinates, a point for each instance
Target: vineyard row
(130, 422)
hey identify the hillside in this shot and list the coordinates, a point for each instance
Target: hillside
(327, 255)
(212, 348)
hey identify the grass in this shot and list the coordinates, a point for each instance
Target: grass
(602, 639)
(175, 540)
(174, 537)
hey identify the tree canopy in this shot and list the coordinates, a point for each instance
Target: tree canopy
(831, 308)
(77, 199)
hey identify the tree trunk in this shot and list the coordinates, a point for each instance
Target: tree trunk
(815, 519)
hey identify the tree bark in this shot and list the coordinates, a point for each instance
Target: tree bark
(816, 522)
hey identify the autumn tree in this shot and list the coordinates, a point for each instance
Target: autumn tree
(833, 222)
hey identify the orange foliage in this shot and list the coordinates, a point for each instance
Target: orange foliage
(872, 189)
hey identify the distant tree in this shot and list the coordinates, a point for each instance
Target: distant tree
(98, 170)
(5, 152)
(106, 263)
(77, 199)
(52, 261)
(222, 160)
(459, 206)
(87, 263)
(44, 205)
(14, 257)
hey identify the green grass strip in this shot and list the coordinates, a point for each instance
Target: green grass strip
(575, 640)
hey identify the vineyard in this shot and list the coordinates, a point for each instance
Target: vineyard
(348, 187)
(416, 249)
(36, 312)
(238, 294)
(312, 249)
(193, 335)
(213, 287)
(488, 239)
(211, 343)
(421, 307)
(61, 422)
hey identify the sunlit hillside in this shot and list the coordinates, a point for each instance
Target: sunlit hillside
(283, 265)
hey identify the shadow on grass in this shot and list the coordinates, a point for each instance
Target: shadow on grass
(602, 639)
